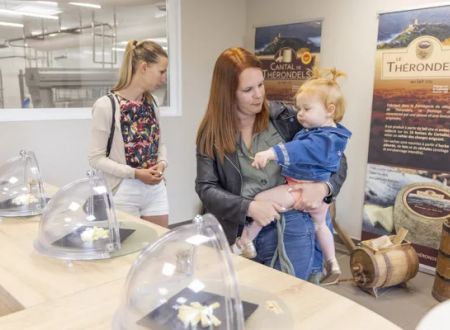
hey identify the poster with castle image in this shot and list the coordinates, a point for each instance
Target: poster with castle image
(288, 53)
(408, 172)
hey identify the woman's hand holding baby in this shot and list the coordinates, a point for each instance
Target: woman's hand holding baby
(312, 195)
(264, 212)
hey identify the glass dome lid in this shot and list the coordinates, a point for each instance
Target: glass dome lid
(184, 280)
(79, 222)
(21, 188)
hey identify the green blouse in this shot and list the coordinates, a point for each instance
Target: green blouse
(254, 180)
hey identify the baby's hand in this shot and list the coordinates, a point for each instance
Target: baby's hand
(261, 158)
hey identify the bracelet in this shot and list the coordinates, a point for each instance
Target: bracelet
(329, 198)
(330, 189)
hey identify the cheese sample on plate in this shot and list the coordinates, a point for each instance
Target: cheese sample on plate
(92, 234)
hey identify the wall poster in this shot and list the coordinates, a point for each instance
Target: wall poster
(288, 53)
(407, 181)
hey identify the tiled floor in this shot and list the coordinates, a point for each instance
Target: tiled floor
(402, 306)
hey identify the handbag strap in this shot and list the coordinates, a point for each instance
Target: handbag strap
(113, 122)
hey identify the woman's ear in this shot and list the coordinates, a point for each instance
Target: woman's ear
(142, 66)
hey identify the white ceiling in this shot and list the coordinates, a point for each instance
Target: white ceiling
(128, 13)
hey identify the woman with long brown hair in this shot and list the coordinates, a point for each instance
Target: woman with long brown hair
(238, 123)
(126, 141)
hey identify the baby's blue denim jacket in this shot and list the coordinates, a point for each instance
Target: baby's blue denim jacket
(313, 154)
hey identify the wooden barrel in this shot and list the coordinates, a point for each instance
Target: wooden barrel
(441, 286)
(386, 267)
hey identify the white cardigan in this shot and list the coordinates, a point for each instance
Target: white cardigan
(113, 167)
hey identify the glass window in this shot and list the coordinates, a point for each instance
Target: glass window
(61, 55)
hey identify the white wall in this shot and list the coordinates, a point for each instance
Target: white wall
(60, 146)
(349, 35)
(207, 28)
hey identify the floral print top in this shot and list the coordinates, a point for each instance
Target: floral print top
(140, 132)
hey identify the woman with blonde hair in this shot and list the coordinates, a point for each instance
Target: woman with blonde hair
(238, 123)
(126, 143)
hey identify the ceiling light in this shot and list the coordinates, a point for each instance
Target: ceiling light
(36, 9)
(38, 15)
(9, 12)
(24, 13)
(11, 24)
(51, 3)
(85, 4)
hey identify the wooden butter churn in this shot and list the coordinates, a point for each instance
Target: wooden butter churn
(383, 262)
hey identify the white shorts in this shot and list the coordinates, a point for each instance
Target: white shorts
(140, 199)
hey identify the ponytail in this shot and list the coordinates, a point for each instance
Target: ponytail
(325, 73)
(135, 52)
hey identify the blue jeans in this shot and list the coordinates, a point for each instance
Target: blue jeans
(299, 242)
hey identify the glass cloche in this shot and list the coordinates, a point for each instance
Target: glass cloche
(21, 188)
(79, 222)
(185, 280)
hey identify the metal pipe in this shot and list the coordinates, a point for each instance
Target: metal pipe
(64, 41)
(21, 87)
(42, 35)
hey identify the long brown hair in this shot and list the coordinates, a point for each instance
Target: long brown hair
(219, 127)
(135, 52)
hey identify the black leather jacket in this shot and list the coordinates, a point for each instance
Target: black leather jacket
(219, 184)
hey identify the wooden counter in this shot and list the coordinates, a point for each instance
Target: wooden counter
(85, 294)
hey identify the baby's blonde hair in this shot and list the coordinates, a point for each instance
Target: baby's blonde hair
(323, 83)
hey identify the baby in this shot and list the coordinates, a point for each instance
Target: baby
(313, 155)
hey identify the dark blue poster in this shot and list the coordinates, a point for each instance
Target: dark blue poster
(288, 53)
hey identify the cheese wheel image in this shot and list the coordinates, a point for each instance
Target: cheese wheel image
(422, 208)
